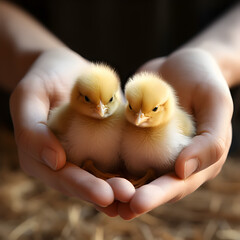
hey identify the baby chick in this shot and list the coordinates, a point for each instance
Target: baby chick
(156, 130)
(90, 125)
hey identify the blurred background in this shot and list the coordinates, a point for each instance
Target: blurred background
(124, 34)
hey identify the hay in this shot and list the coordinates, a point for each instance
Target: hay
(29, 210)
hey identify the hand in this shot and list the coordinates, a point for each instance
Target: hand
(41, 155)
(202, 91)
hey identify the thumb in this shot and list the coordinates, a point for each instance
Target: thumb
(213, 136)
(29, 110)
(203, 151)
(41, 144)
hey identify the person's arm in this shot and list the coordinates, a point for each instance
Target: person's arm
(222, 41)
(22, 40)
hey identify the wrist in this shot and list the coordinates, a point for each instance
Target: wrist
(227, 59)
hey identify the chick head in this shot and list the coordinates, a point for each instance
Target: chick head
(96, 92)
(150, 100)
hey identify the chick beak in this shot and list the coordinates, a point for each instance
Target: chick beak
(101, 109)
(140, 118)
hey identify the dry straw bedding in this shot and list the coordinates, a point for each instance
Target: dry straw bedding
(29, 210)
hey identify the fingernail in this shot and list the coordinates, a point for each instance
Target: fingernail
(49, 157)
(191, 166)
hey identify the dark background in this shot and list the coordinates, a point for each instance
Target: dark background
(127, 33)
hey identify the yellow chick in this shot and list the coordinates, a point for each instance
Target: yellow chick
(156, 130)
(90, 125)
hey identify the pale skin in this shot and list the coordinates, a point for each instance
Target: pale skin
(200, 73)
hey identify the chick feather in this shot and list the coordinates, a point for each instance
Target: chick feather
(156, 129)
(90, 125)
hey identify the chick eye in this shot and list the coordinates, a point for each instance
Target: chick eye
(130, 107)
(155, 109)
(111, 99)
(87, 99)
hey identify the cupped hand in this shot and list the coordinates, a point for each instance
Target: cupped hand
(41, 155)
(203, 92)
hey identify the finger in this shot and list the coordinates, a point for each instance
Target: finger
(122, 188)
(125, 211)
(214, 112)
(111, 210)
(213, 125)
(29, 110)
(71, 180)
(82, 184)
(163, 190)
(155, 193)
(170, 188)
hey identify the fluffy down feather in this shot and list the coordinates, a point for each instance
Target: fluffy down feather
(156, 128)
(90, 125)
